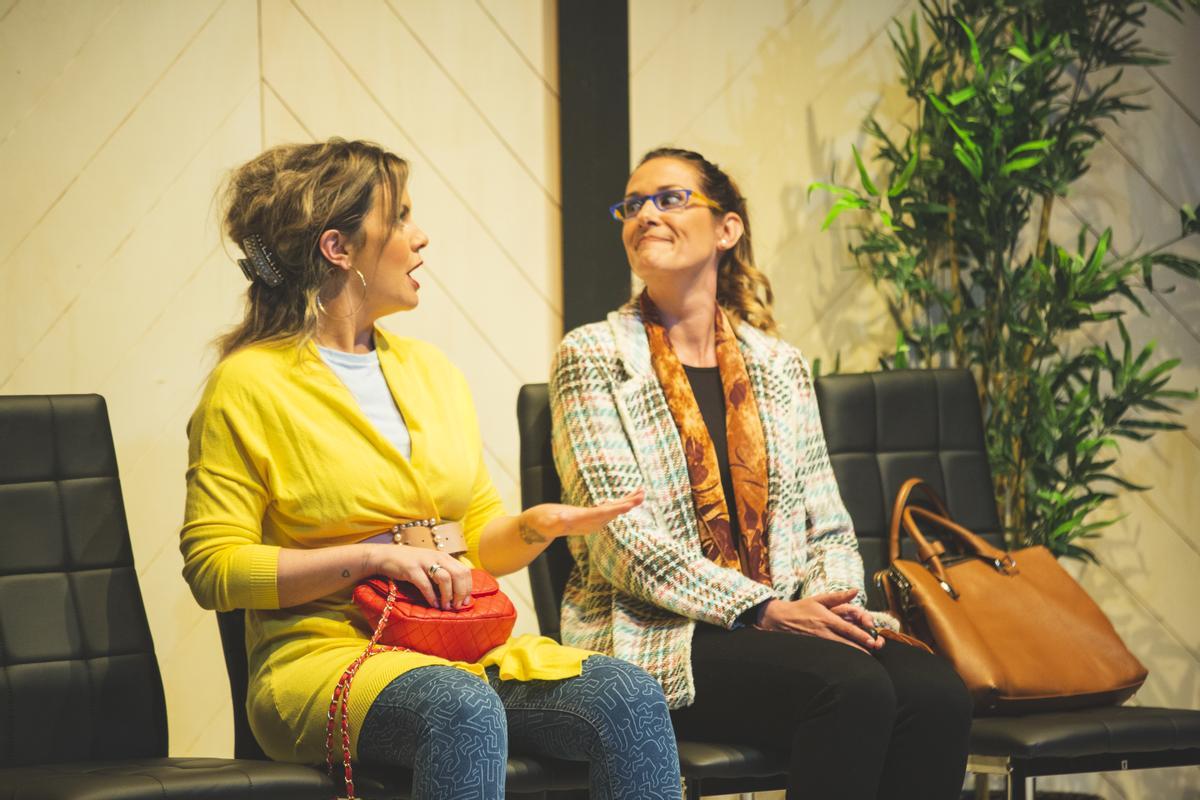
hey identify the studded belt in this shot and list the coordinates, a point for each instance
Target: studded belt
(445, 537)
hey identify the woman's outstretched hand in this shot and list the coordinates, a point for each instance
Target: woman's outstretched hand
(829, 616)
(510, 543)
(547, 521)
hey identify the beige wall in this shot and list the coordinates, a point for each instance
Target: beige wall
(118, 120)
(776, 93)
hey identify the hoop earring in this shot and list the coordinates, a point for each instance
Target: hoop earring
(321, 306)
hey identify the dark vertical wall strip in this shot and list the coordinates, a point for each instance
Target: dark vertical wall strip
(593, 78)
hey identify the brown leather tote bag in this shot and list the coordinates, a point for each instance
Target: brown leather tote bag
(1022, 634)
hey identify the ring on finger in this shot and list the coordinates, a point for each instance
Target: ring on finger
(433, 569)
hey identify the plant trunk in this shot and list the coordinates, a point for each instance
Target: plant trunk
(958, 349)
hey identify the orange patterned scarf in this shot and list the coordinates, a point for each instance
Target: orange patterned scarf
(747, 449)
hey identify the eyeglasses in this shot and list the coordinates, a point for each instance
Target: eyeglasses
(666, 200)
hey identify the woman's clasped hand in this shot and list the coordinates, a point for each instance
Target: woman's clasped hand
(829, 615)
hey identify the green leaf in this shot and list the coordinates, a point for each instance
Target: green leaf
(1020, 54)
(841, 205)
(829, 187)
(901, 182)
(1098, 253)
(938, 104)
(961, 96)
(1187, 267)
(1019, 164)
(969, 161)
(1151, 425)
(927, 208)
(1187, 216)
(1038, 144)
(862, 173)
(901, 358)
(974, 44)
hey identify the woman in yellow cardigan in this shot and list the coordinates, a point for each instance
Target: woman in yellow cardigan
(317, 432)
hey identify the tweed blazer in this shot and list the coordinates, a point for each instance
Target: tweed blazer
(640, 584)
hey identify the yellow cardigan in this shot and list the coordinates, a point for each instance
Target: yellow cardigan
(281, 455)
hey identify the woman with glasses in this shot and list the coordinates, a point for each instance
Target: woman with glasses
(320, 443)
(738, 582)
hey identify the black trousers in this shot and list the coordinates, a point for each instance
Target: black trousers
(891, 725)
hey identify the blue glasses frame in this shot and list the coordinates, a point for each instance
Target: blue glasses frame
(666, 200)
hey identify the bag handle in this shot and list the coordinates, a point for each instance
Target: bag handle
(340, 704)
(930, 552)
(906, 489)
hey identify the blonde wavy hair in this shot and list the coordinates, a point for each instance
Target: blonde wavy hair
(288, 196)
(742, 290)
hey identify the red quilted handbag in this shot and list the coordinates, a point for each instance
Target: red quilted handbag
(463, 635)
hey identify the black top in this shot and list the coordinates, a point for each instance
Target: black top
(710, 396)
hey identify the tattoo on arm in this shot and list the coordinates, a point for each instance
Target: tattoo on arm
(345, 573)
(529, 535)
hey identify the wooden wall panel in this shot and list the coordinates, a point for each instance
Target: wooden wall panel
(119, 122)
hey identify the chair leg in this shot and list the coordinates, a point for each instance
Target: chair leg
(981, 786)
(1020, 787)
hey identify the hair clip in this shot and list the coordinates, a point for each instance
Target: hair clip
(260, 262)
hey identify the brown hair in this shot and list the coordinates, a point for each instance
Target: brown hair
(288, 196)
(742, 290)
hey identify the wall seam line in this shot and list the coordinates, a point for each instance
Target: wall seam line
(1159, 298)
(1153, 184)
(737, 73)
(99, 149)
(62, 70)
(1151, 612)
(517, 49)
(432, 164)
(81, 289)
(1174, 97)
(288, 108)
(9, 10)
(635, 69)
(262, 95)
(474, 107)
(203, 728)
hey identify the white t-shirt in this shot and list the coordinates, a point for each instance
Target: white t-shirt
(364, 378)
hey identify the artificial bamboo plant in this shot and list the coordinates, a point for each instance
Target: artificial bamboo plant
(1007, 100)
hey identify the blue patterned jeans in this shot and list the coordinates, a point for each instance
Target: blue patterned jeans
(453, 730)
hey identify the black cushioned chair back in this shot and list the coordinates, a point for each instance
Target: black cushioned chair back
(232, 625)
(885, 427)
(78, 676)
(539, 484)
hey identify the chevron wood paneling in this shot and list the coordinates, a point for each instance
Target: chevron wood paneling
(120, 118)
(776, 94)
(118, 123)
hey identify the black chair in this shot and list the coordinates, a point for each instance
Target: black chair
(526, 775)
(884, 427)
(881, 429)
(82, 713)
(709, 768)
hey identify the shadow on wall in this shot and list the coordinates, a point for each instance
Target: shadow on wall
(814, 82)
